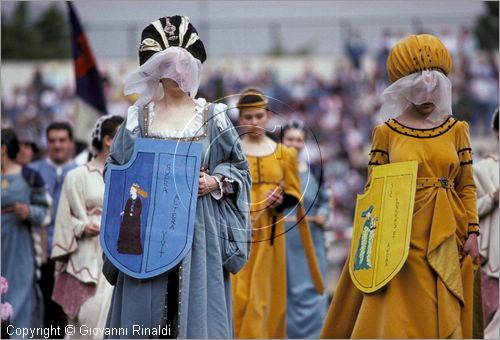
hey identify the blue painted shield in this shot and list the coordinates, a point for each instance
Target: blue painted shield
(150, 207)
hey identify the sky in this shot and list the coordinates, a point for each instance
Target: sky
(239, 28)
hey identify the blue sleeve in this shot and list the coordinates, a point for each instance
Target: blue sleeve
(40, 201)
(230, 162)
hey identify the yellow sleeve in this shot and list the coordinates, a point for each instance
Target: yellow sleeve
(464, 183)
(379, 153)
(293, 192)
(291, 170)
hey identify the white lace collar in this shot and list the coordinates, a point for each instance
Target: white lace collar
(192, 130)
(220, 118)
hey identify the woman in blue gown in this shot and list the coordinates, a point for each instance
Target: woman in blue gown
(306, 309)
(192, 300)
(25, 203)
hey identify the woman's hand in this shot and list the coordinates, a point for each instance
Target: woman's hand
(319, 219)
(471, 248)
(91, 230)
(494, 196)
(206, 184)
(21, 210)
(274, 198)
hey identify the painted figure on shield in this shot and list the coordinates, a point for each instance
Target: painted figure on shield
(129, 239)
(363, 258)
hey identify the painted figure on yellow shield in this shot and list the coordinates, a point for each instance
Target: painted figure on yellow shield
(363, 254)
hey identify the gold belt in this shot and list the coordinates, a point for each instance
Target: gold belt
(439, 182)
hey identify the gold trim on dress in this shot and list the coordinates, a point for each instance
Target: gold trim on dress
(396, 126)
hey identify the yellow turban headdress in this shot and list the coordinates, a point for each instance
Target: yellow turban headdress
(417, 53)
(252, 97)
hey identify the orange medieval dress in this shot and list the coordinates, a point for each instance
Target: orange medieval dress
(259, 289)
(432, 295)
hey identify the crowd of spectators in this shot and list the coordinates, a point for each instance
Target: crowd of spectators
(341, 109)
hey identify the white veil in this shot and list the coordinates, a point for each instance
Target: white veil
(175, 63)
(429, 86)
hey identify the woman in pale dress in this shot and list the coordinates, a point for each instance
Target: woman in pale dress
(80, 287)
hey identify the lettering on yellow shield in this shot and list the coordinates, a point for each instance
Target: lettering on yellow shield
(382, 225)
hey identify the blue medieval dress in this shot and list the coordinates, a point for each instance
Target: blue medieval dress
(53, 175)
(193, 300)
(306, 309)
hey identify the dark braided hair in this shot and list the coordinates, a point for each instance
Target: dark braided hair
(108, 128)
(9, 139)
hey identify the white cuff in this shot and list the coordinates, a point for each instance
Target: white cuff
(229, 186)
(78, 228)
(217, 194)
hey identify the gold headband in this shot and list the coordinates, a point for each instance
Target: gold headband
(261, 103)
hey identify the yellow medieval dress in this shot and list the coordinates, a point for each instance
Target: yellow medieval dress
(431, 296)
(259, 289)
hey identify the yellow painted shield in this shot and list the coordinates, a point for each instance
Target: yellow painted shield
(382, 225)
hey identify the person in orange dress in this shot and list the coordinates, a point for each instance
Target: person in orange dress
(259, 289)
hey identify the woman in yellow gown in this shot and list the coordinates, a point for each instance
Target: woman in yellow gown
(259, 289)
(432, 295)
